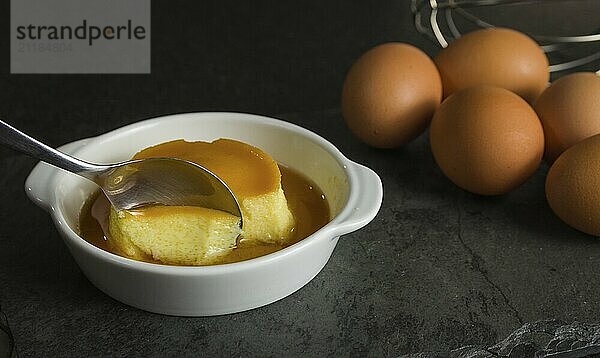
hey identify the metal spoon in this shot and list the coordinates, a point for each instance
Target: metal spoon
(131, 184)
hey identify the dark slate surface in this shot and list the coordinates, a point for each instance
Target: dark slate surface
(436, 270)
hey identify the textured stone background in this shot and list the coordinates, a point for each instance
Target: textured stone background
(437, 269)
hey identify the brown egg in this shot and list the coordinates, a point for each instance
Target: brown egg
(498, 57)
(570, 111)
(390, 95)
(573, 186)
(486, 139)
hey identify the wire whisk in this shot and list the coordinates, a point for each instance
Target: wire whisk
(436, 20)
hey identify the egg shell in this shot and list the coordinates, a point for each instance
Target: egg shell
(486, 140)
(570, 111)
(390, 94)
(497, 56)
(573, 186)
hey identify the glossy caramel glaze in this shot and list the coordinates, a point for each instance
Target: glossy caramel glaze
(305, 200)
(227, 159)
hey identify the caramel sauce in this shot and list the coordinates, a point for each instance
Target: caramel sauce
(225, 158)
(305, 200)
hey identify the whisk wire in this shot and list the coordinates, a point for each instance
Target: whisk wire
(548, 43)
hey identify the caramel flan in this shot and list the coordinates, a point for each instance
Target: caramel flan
(200, 236)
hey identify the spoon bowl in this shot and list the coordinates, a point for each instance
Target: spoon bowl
(135, 183)
(164, 181)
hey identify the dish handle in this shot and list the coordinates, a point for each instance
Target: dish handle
(38, 184)
(364, 202)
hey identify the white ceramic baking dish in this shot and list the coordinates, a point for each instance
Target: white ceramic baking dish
(354, 193)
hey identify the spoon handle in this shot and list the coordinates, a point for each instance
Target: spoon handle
(19, 141)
